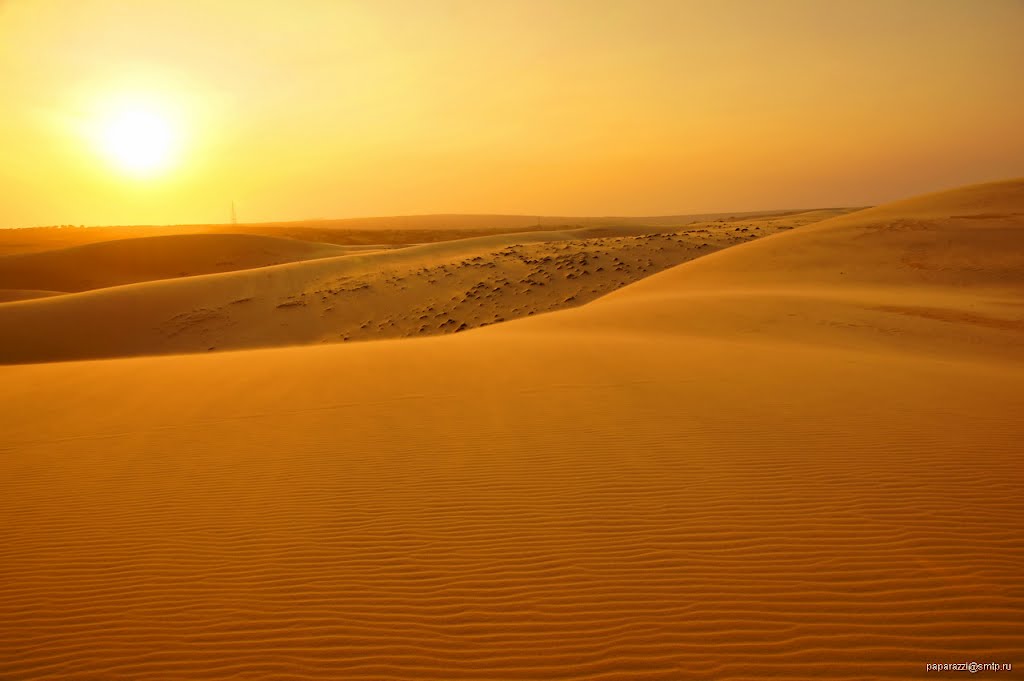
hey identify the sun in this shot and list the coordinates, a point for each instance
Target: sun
(139, 140)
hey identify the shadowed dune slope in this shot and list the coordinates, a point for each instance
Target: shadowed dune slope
(613, 492)
(127, 261)
(9, 295)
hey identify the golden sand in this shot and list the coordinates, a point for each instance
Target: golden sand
(792, 458)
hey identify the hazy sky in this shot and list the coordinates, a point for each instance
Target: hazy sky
(335, 108)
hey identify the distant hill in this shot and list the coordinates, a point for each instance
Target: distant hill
(396, 230)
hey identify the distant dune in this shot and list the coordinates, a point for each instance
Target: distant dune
(398, 230)
(793, 458)
(429, 289)
(128, 261)
(10, 295)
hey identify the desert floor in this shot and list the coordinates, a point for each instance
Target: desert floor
(675, 450)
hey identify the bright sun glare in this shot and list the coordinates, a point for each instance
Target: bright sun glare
(139, 140)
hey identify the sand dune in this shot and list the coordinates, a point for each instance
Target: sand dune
(738, 468)
(926, 275)
(127, 261)
(419, 290)
(399, 230)
(968, 238)
(9, 295)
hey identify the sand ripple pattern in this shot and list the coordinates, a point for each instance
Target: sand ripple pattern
(661, 527)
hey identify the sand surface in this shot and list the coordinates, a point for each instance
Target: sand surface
(326, 293)
(399, 230)
(128, 261)
(792, 458)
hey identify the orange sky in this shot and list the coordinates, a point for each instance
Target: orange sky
(334, 108)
